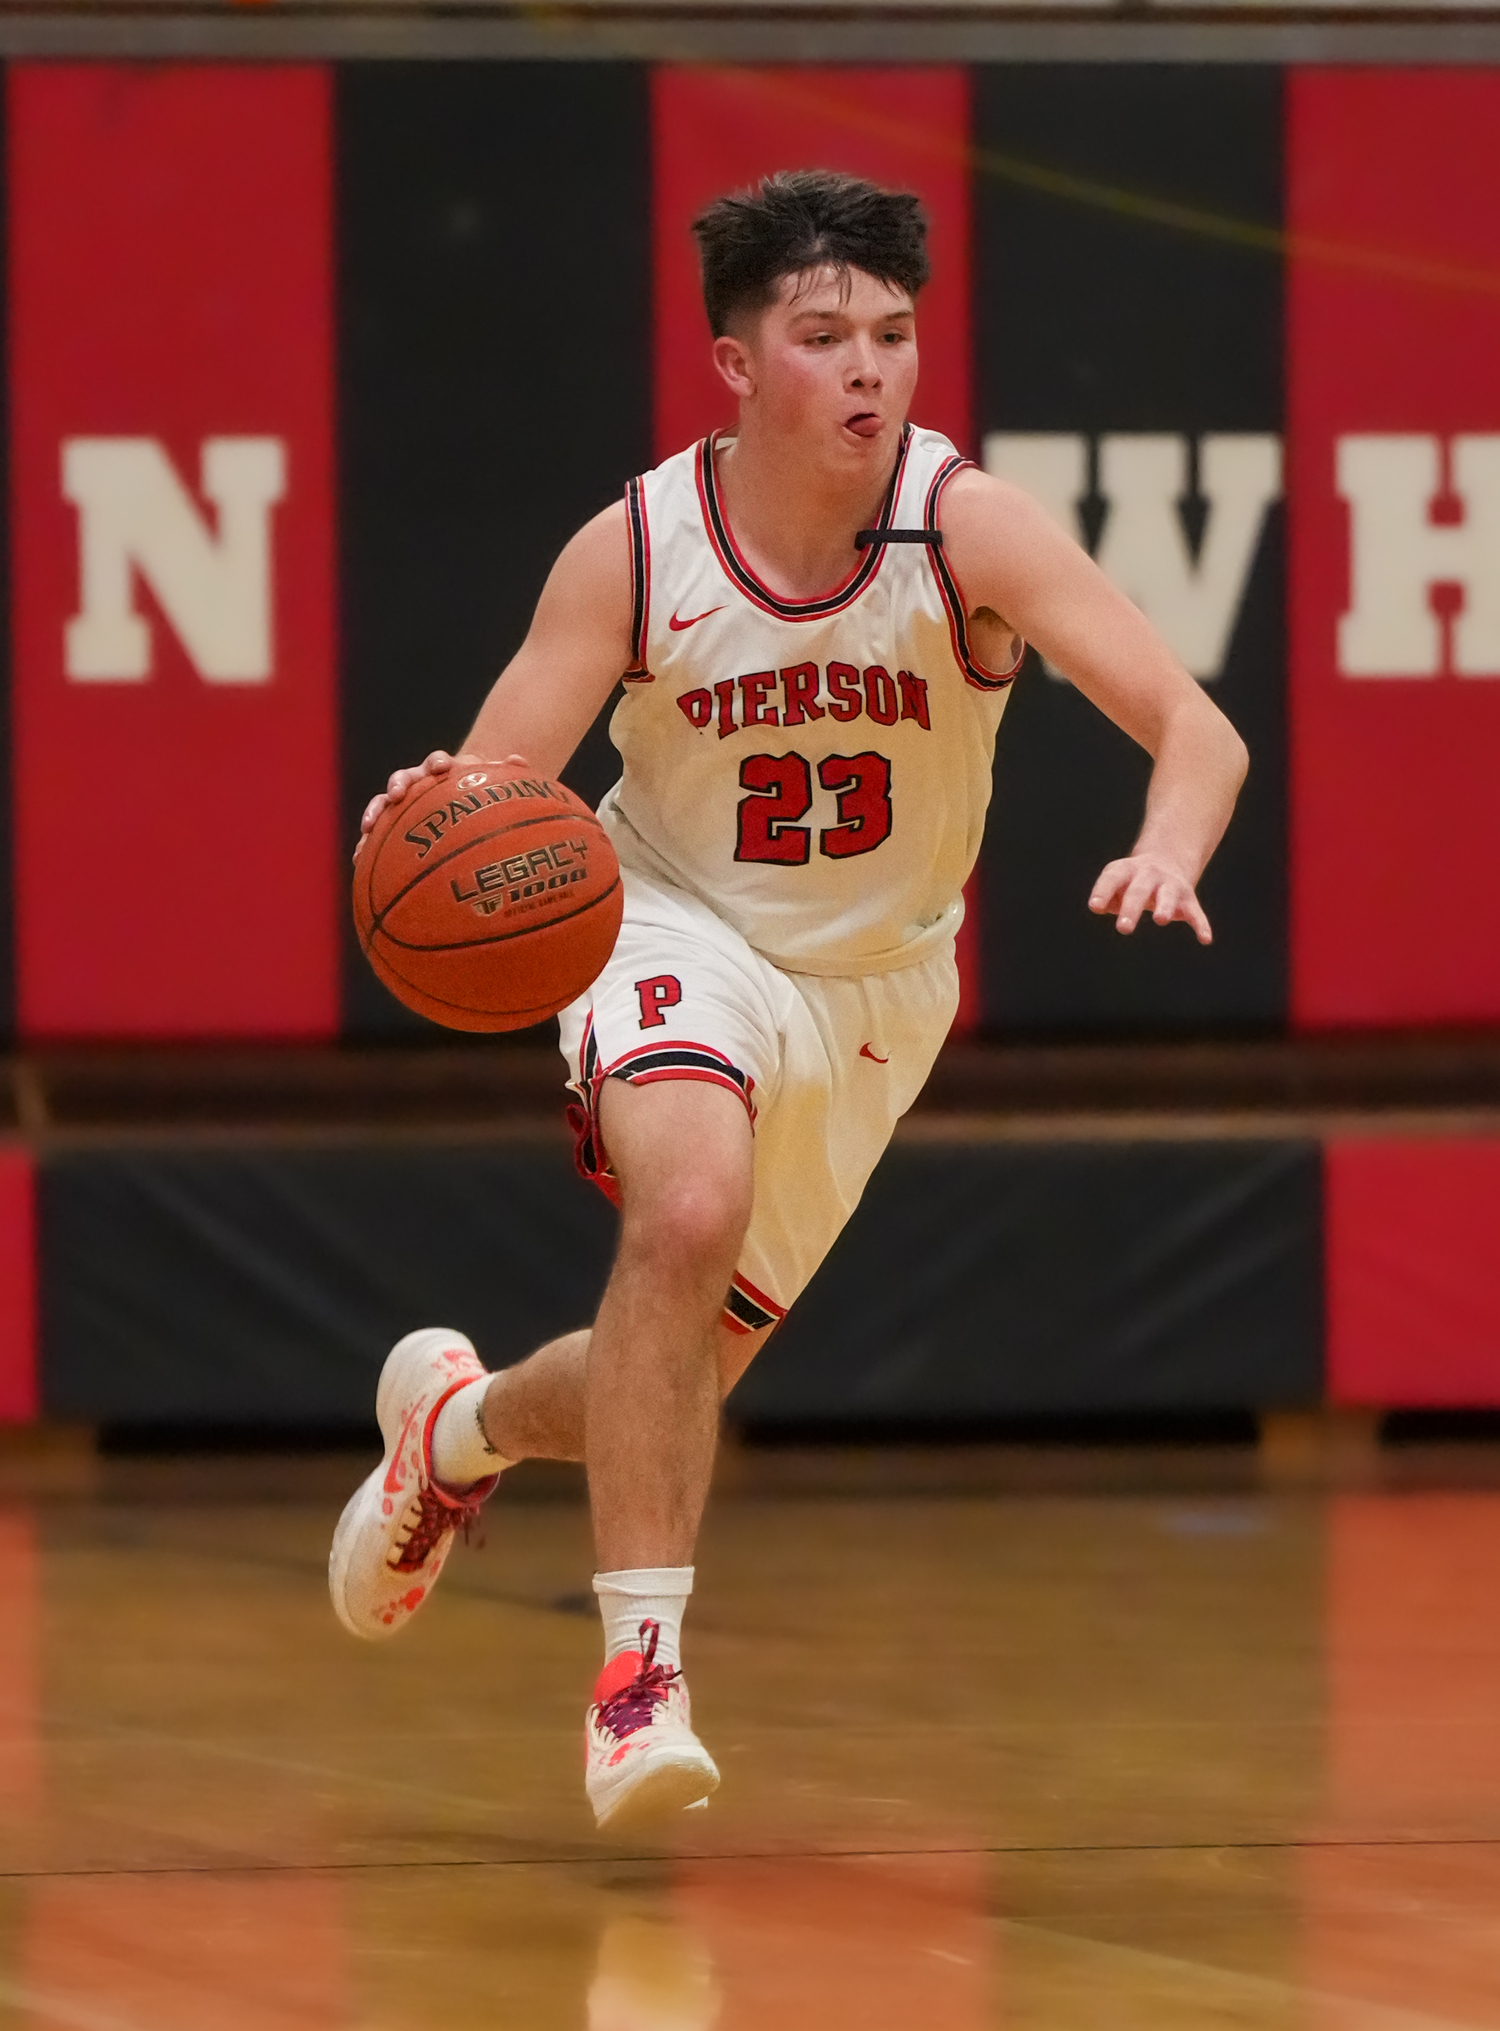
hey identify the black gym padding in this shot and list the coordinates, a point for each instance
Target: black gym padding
(263, 1286)
(480, 420)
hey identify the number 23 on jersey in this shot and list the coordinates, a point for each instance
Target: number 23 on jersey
(781, 794)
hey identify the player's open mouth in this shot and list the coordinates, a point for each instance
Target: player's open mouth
(865, 423)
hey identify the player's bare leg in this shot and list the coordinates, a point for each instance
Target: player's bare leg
(534, 1410)
(440, 1464)
(638, 1395)
(683, 1154)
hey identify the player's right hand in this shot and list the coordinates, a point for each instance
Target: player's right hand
(437, 763)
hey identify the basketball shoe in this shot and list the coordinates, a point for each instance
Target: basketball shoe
(398, 1527)
(642, 1759)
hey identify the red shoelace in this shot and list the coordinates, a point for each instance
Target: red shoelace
(436, 1516)
(634, 1705)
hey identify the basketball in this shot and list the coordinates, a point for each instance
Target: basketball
(487, 900)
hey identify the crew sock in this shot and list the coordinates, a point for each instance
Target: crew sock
(461, 1454)
(644, 1594)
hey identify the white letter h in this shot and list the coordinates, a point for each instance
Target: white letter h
(1398, 554)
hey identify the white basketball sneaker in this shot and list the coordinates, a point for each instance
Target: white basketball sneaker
(642, 1759)
(398, 1528)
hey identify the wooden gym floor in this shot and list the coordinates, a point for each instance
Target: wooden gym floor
(1041, 1759)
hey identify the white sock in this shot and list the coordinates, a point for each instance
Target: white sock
(461, 1453)
(644, 1594)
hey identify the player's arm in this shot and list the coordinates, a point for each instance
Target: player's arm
(551, 691)
(1016, 566)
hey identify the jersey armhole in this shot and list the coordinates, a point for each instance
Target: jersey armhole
(640, 581)
(954, 602)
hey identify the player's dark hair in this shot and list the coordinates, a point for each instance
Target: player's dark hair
(802, 219)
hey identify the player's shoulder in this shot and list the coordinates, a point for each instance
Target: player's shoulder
(979, 512)
(601, 543)
(591, 579)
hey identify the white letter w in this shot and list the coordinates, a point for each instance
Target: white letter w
(135, 515)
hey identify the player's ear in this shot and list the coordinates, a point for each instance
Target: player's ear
(736, 368)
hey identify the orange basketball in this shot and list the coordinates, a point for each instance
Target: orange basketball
(488, 898)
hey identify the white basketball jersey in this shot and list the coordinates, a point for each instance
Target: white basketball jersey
(817, 771)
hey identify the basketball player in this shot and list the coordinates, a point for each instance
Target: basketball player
(818, 618)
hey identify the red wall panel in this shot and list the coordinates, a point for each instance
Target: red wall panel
(719, 130)
(1413, 1300)
(18, 1353)
(1393, 326)
(176, 862)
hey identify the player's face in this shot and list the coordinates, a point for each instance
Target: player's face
(831, 363)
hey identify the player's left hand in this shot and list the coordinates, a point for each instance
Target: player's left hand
(1146, 883)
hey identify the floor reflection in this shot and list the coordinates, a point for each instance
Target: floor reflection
(881, 1943)
(186, 1953)
(655, 1973)
(1401, 1888)
(20, 1666)
(1046, 1765)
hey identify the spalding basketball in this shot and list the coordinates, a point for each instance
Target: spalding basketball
(488, 898)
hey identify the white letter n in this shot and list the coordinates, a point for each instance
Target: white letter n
(135, 515)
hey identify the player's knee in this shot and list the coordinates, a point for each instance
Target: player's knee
(684, 1157)
(692, 1222)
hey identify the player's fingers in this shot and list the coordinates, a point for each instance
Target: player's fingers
(435, 764)
(1193, 912)
(1137, 898)
(1171, 900)
(370, 813)
(1106, 891)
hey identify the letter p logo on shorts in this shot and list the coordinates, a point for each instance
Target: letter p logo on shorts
(662, 990)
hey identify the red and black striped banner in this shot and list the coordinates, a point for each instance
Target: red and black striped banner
(313, 368)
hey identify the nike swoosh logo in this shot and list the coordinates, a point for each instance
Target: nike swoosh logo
(395, 1473)
(866, 1052)
(677, 625)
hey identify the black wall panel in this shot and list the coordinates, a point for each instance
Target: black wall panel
(223, 1286)
(494, 373)
(1095, 316)
(1009, 1281)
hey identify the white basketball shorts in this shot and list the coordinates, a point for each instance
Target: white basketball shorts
(825, 1067)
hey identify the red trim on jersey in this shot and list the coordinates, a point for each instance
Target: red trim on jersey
(589, 1159)
(759, 1297)
(639, 531)
(589, 1154)
(953, 600)
(738, 1082)
(727, 551)
(771, 1314)
(697, 1072)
